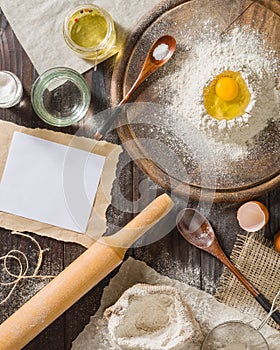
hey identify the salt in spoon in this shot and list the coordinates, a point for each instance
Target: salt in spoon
(154, 60)
(197, 230)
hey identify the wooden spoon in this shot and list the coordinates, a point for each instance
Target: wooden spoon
(154, 60)
(197, 230)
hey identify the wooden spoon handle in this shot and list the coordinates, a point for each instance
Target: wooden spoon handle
(77, 279)
(146, 71)
(248, 285)
(110, 118)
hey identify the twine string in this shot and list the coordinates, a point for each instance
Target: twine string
(8, 256)
(23, 266)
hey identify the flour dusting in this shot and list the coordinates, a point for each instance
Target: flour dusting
(150, 317)
(242, 50)
(208, 312)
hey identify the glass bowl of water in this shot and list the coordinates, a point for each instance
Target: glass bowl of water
(60, 96)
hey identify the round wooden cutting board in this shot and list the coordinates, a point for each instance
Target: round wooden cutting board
(157, 150)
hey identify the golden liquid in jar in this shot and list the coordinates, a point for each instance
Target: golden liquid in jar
(89, 31)
(88, 28)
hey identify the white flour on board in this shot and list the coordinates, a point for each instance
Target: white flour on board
(242, 50)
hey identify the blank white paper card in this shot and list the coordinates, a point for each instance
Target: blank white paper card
(50, 182)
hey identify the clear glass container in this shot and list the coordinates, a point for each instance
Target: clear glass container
(234, 335)
(10, 89)
(90, 32)
(60, 96)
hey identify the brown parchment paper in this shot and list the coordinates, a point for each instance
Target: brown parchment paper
(207, 310)
(97, 222)
(256, 258)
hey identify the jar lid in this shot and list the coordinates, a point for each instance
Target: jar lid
(60, 96)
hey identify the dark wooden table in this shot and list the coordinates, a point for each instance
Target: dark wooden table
(171, 255)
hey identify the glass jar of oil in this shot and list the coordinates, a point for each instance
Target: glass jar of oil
(90, 32)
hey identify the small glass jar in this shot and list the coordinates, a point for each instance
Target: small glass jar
(10, 89)
(60, 96)
(90, 32)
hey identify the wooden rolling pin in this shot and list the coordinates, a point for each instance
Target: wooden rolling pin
(77, 279)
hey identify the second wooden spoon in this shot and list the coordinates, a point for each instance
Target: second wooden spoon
(197, 230)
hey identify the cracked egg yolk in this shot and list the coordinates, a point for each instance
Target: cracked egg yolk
(227, 96)
(226, 88)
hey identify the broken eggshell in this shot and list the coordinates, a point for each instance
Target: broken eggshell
(252, 216)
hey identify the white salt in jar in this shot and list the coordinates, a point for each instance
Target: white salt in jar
(10, 89)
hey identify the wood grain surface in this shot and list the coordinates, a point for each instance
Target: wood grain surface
(171, 255)
(238, 180)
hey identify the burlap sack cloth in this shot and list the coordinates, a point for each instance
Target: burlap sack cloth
(256, 258)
